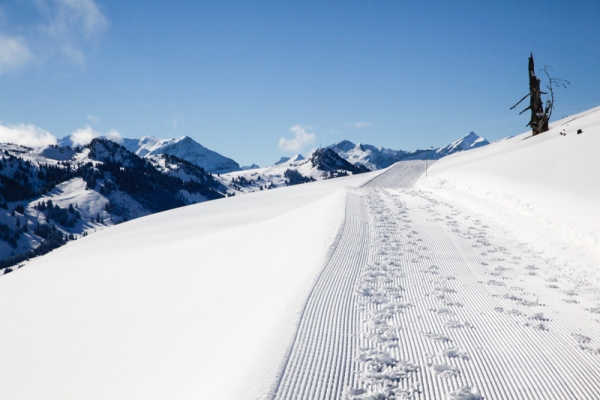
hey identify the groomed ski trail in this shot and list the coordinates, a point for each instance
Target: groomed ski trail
(422, 300)
(320, 364)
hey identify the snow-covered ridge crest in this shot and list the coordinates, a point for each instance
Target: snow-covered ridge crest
(380, 157)
(185, 148)
(296, 158)
(467, 142)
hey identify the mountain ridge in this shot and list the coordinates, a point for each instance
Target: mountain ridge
(380, 157)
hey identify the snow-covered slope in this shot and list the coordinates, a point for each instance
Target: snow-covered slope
(185, 148)
(198, 302)
(481, 282)
(551, 180)
(321, 164)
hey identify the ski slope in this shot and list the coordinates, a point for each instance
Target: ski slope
(477, 281)
(422, 300)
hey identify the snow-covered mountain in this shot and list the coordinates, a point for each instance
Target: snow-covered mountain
(184, 148)
(380, 157)
(467, 142)
(247, 167)
(327, 160)
(55, 194)
(296, 158)
(320, 165)
(110, 183)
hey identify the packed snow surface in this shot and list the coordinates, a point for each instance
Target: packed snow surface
(476, 279)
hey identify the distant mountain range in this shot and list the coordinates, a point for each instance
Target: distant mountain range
(379, 157)
(51, 195)
(184, 148)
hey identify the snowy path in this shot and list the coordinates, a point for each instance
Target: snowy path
(320, 364)
(422, 300)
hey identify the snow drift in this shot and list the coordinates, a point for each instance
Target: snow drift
(551, 181)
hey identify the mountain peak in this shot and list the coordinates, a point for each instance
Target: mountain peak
(282, 160)
(467, 142)
(344, 146)
(185, 148)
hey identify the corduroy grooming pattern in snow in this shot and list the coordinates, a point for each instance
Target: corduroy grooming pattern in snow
(321, 363)
(422, 300)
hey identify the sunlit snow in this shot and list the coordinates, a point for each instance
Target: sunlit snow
(478, 280)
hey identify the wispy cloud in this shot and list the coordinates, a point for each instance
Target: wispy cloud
(26, 135)
(14, 53)
(360, 125)
(66, 17)
(83, 136)
(175, 120)
(70, 24)
(303, 136)
(115, 136)
(35, 137)
(92, 118)
(63, 27)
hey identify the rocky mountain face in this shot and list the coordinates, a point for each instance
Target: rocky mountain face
(327, 160)
(56, 194)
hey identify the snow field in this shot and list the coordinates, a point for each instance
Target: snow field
(550, 182)
(197, 302)
(445, 306)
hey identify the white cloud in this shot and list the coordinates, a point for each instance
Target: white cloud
(65, 27)
(68, 17)
(26, 135)
(13, 53)
(83, 136)
(303, 136)
(115, 136)
(92, 118)
(69, 24)
(360, 125)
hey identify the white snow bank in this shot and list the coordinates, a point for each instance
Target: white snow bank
(199, 302)
(550, 182)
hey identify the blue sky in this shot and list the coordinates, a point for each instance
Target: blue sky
(255, 80)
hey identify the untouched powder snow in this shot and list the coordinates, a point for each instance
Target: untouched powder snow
(550, 181)
(197, 302)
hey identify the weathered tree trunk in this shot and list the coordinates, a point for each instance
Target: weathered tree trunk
(539, 118)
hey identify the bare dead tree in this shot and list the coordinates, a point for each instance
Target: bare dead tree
(540, 112)
(552, 83)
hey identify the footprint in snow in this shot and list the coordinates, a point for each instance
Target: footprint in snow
(456, 324)
(540, 326)
(465, 393)
(437, 337)
(539, 317)
(455, 352)
(443, 312)
(444, 370)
